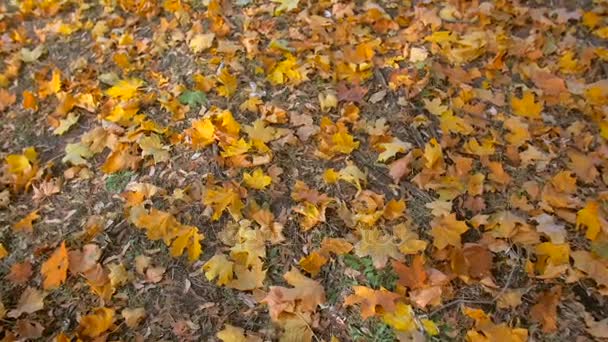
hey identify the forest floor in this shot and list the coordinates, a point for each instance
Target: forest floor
(298, 170)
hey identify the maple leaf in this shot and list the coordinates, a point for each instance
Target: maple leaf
(219, 266)
(66, 124)
(433, 154)
(248, 278)
(123, 157)
(228, 83)
(592, 265)
(235, 334)
(545, 310)
(187, 238)
(446, 230)
(285, 5)
(371, 300)
(202, 133)
(82, 261)
(392, 148)
(158, 224)
(152, 146)
(77, 153)
(45, 189)
(400, 167)
(434, 106)
(133, 316)
(236, 148)
(20, 272)
(401, 319)
(98, 322)
(257, 180)
(343, 143)
(221, 199)
(313, 263)
(193, 99)
(31, 300)
(305, 295)
(201, 42)
(46, 88)
(413, 276)
(589, 217)
(352, 174)
(125, 89)
(526, 106)
(378, 246)
(260, 132)
(25, 224)
(55, 269)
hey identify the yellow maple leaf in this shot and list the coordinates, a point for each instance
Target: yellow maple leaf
(55, 269)
(17, 163)
(312, 263)
(433, 154)
(378, 246)
(285, 5)
(228, 83)
(558, 254)
(221, 199)
(330, 176)
(343, 143)
(25, 224)
(202, 133)
(237, 148)
(188, 238)
(98, 322)
(401, 319)
(446, 230)
(66, 124)
(125, 89)
(152, 146)
(201, 42)
(76, 154)
(257, 179)
(248, 278)
(287, 70)
(392, 148)
(219, 267)
(434, 106)
(46, 88)
(589, 217)
(526, 106)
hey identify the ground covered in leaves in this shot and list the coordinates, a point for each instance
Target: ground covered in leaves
(300, 170)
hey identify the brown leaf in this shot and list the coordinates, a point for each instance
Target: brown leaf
(414, 276)
(82, 261)
(305, 296)
(545, 310)
(27, 329)
(31, 300)
(353, 94)
(155, 274)
(20, 272)
(400, 167)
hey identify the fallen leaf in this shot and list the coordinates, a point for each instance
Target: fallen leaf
(372, 300)
(20, 272)
(545, 310)
(31, 300)
(133, 316)
(26, 223)
(378, 246)
(96, 323)
(257, 180)
(526, 105)
(55, 269)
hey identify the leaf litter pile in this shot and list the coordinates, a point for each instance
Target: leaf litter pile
(299, 170)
